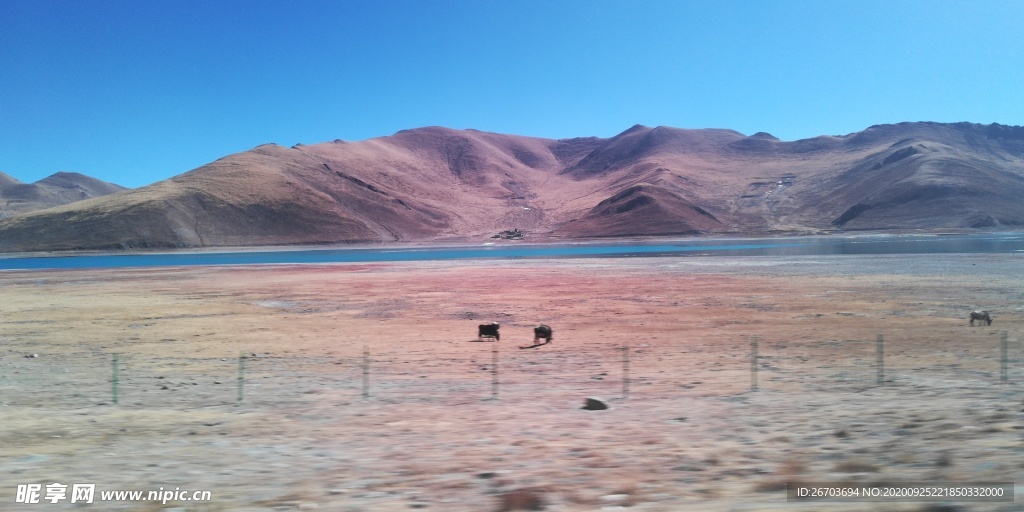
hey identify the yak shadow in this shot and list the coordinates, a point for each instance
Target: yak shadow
(535, 345)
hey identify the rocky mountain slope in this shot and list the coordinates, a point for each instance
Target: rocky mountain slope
(441, 184)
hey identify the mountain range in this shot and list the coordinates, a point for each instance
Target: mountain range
(55, 190)
(441, 184)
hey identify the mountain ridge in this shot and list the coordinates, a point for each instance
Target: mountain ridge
(436, 184)
(57, 189)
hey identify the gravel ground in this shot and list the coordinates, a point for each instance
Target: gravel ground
(364, 389)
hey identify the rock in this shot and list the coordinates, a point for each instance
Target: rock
(942, 507)
(522, 499)
(594, 404)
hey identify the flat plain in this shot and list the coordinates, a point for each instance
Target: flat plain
(362, 387)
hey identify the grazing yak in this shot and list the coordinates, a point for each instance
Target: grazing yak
(542, 332)
(981, 316)
(489, 331)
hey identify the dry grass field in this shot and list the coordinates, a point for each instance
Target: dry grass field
(362, 386)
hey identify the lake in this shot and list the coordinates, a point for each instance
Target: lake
(784, 246)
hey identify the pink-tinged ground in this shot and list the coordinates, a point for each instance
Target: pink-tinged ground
(441, 430)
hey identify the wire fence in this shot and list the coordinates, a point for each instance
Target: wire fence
(496, 371)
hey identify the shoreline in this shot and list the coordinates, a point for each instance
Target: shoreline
(442, 243)
(993, 243)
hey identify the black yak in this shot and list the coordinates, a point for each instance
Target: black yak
(980, 316)
(489, 331)
(542, 332)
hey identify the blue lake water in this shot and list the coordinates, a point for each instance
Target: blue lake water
(789, 246)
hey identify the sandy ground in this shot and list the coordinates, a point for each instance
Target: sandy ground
(363, 389)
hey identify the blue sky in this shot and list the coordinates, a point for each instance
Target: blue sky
(138, 91)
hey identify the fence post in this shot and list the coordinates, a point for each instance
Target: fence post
(241, 376)
(494, 371)
(625, 370)
(880, 359)
(366, 371)
(1003, 378)
(114, 379)
(753, 363)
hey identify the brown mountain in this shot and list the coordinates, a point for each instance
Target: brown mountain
(61, 188)
(441, 184)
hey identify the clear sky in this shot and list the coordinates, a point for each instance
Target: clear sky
(135, 91)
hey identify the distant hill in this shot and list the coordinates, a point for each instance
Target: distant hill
(59, 189)
(436, 183)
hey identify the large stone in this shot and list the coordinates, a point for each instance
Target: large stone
(594, 404)
(522, 499)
